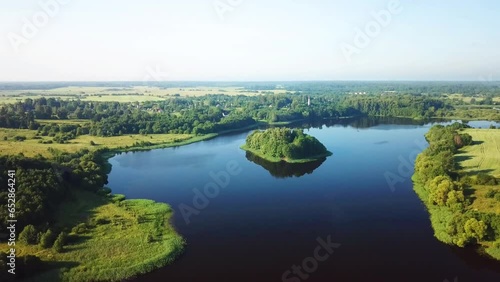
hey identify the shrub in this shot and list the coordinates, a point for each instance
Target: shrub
(491, 193)
(497, 197)
(19, 138)
(118, 198)
(47, 239)
(60, 241)
(104, 191)
(79, 229)
(29, 235)
(485, 179)
(99, 221)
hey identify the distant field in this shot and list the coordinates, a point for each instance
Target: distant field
(30, 147)
(124, 94)
(484, 156)
(468, 99)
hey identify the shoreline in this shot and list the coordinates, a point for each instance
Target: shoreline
(446, 217)
(290, 161)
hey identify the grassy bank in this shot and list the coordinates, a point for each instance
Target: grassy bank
(288, 160)
(109, 239)
(34, 145)
(459, 188)
(484, 155)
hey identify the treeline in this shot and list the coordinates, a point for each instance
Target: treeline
(41, 185)
(445, 192)
(285, 143)
(208, 114)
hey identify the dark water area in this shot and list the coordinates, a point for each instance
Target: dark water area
(345, 218)
(283, 169)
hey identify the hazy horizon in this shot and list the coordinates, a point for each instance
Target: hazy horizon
(249, 41)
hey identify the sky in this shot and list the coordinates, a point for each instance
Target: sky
(249, 40)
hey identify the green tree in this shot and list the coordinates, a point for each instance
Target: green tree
(47, 239)
(60, 242)
(439, 189)
(29, 235)
(475, 229)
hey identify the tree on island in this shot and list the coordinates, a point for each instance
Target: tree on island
(286, 144)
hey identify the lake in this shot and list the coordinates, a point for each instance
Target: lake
(351, 217)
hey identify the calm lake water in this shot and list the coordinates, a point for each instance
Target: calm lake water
(269, 218)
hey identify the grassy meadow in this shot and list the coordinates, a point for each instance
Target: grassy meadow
(110, 238)
(482, 157)
(32, 147)
(115, 239)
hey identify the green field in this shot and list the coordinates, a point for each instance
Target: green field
(115, 239)
(31, 147)
(468, 99)
(483, 156)
(124, 94)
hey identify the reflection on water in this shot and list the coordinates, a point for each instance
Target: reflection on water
(283, 169)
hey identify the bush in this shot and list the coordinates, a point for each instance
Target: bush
(29, 235)
(47, 239)
(99, 221)
(485, 179)
(491, 193)
(79, 229)
(104, 191)
(497, 197)
(19, 138)
(118, 198)
(60, 242)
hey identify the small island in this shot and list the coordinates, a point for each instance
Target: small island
(285, 144)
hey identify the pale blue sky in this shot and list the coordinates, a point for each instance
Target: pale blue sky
(256, 40)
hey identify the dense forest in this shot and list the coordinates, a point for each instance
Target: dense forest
(447, 193)
(285, 144)
(202, 115)
(45, 185)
